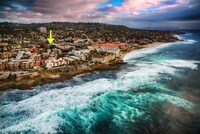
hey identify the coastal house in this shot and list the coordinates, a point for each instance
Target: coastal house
(110, 49)
(103, 58)
(50, 63)
(81, 53)
(26, 64)
(114, 48)
(68, 59)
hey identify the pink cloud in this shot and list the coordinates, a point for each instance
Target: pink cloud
(134, 5)
(88, 10)
(73, 9)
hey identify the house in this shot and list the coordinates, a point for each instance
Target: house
(69, 60)
(50, 63)
(4, 75)
(19, 55)
(103, 58)
(26, 64)
(12, 65)
(5, 55)
(37, 65)
(81, 52)
(114, 48)
(110, 49)
(42, 29)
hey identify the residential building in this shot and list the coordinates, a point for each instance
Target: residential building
(42, 29)
(103, 58)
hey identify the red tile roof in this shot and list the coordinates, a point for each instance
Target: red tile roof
(32, 49)
(37, 63)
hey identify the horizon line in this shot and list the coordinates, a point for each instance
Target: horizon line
(147, 28)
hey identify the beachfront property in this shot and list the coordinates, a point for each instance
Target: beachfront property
(114, 47)
(103, 58)
(83, 54)
(50, 63)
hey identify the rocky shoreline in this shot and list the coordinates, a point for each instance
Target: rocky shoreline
(60, 74)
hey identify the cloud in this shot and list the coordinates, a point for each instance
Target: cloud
(51, 9)
(110, 11)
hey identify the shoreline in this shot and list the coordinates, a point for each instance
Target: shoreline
(61, 75)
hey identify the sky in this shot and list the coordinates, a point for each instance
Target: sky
(183, 14)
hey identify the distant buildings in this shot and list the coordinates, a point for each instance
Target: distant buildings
(42, 29)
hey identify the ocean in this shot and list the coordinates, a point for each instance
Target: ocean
(156, 92)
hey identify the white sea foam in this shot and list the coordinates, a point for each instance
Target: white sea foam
(190, 41)
(181, 63)
(185, 41)
(146, 74)
(145, 51)
(179, 37)
(46, 103)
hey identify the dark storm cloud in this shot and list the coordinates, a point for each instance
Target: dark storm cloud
(4, 3)
(189, 12)
(168, 2)
(7, 3)
(187, 15)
